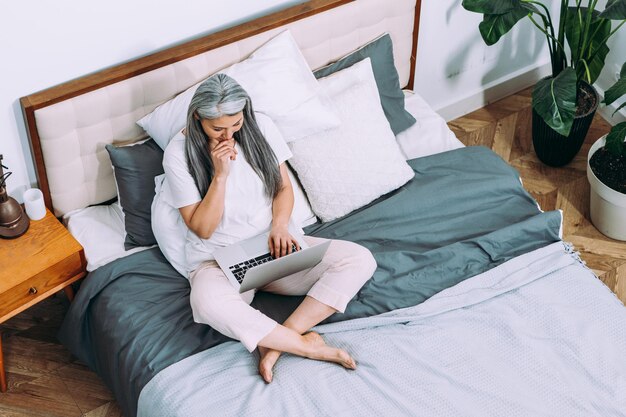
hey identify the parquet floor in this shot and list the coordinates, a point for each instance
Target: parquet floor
(45, 380)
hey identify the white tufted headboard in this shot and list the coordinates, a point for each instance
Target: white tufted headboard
(70, 124)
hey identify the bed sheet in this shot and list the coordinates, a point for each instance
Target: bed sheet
(531, 337)
(131, 318)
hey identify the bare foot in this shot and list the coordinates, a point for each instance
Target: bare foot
(317, 349)
(267, 361)
(322, 352)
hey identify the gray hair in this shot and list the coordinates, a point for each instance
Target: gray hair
(218, 96)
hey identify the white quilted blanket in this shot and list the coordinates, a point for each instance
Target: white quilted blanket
(537, 336)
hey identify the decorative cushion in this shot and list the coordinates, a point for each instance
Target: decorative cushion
(429, 135)
(380, 52)
(280, 84)
(347, 167)
(135, 168)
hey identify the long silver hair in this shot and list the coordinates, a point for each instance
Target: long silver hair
(218, 96)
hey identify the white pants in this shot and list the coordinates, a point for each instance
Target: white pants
(344, 269)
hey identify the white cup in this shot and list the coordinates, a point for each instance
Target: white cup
(35, 206)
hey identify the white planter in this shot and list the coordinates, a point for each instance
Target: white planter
(608, 207)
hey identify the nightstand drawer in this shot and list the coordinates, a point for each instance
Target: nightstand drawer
(41, 285)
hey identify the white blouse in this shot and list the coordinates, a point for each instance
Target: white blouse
(247, 210)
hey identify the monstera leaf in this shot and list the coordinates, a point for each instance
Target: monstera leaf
(588, 65)
(617, 90)
(499, 16)
(554, 99)
(615, 139)
(614, 10)
(490, 6)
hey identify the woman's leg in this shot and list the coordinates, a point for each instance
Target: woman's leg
(310, 345)
(214, 301)
(308, 314)
(344, 269)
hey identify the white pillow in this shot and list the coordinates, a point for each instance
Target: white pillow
(347, 167)
(429, 135)
(168, 226)
(280, 84)
(100, 230)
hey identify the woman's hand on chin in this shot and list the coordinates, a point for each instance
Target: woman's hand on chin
(280, 241)
(221, 154)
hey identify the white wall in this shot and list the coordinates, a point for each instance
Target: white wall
(46, 43)
(457, 72)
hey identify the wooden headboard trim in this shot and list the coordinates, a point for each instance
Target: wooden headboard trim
(416, 31)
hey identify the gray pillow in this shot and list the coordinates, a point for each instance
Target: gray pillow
(135, 168)
(380, 51)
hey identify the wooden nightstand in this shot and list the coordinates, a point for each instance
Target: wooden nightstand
(44, 260)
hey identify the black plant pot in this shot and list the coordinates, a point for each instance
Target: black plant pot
(555, 149)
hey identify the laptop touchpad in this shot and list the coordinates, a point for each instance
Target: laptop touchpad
(256, 247)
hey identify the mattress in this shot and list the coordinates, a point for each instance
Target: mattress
(131, 321)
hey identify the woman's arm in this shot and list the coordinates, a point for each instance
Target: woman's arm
(203, 217)
(282, 205)
(280, 240)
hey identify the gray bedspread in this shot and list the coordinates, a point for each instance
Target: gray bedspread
(463, 213)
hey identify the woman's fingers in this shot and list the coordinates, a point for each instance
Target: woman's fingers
(282, 245)
(230, 143)
(226, 147)
(291, 242)
(277, 245)
(225, 153)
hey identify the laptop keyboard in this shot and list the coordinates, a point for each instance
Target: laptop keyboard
(239, 270)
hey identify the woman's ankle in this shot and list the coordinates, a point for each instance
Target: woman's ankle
(284, 339)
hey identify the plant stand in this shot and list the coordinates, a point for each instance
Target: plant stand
(607, 206)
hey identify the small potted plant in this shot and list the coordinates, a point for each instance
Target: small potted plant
(565, 102)
(606, 171)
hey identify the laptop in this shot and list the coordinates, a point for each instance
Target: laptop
(248, 264)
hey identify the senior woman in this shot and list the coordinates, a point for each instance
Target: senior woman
(229, 180)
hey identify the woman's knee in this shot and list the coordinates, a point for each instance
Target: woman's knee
(367, 262)
(205, 307)
(361, 257)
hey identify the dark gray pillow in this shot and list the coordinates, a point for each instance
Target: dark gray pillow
(380, 51)
(135, 168)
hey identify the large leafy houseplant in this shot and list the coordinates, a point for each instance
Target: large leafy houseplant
(578, 47)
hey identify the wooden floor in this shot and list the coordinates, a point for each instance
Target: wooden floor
(45, 380)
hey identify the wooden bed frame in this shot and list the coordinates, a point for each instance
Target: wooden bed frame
(124, 71)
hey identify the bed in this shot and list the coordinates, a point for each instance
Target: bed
(477, 306)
